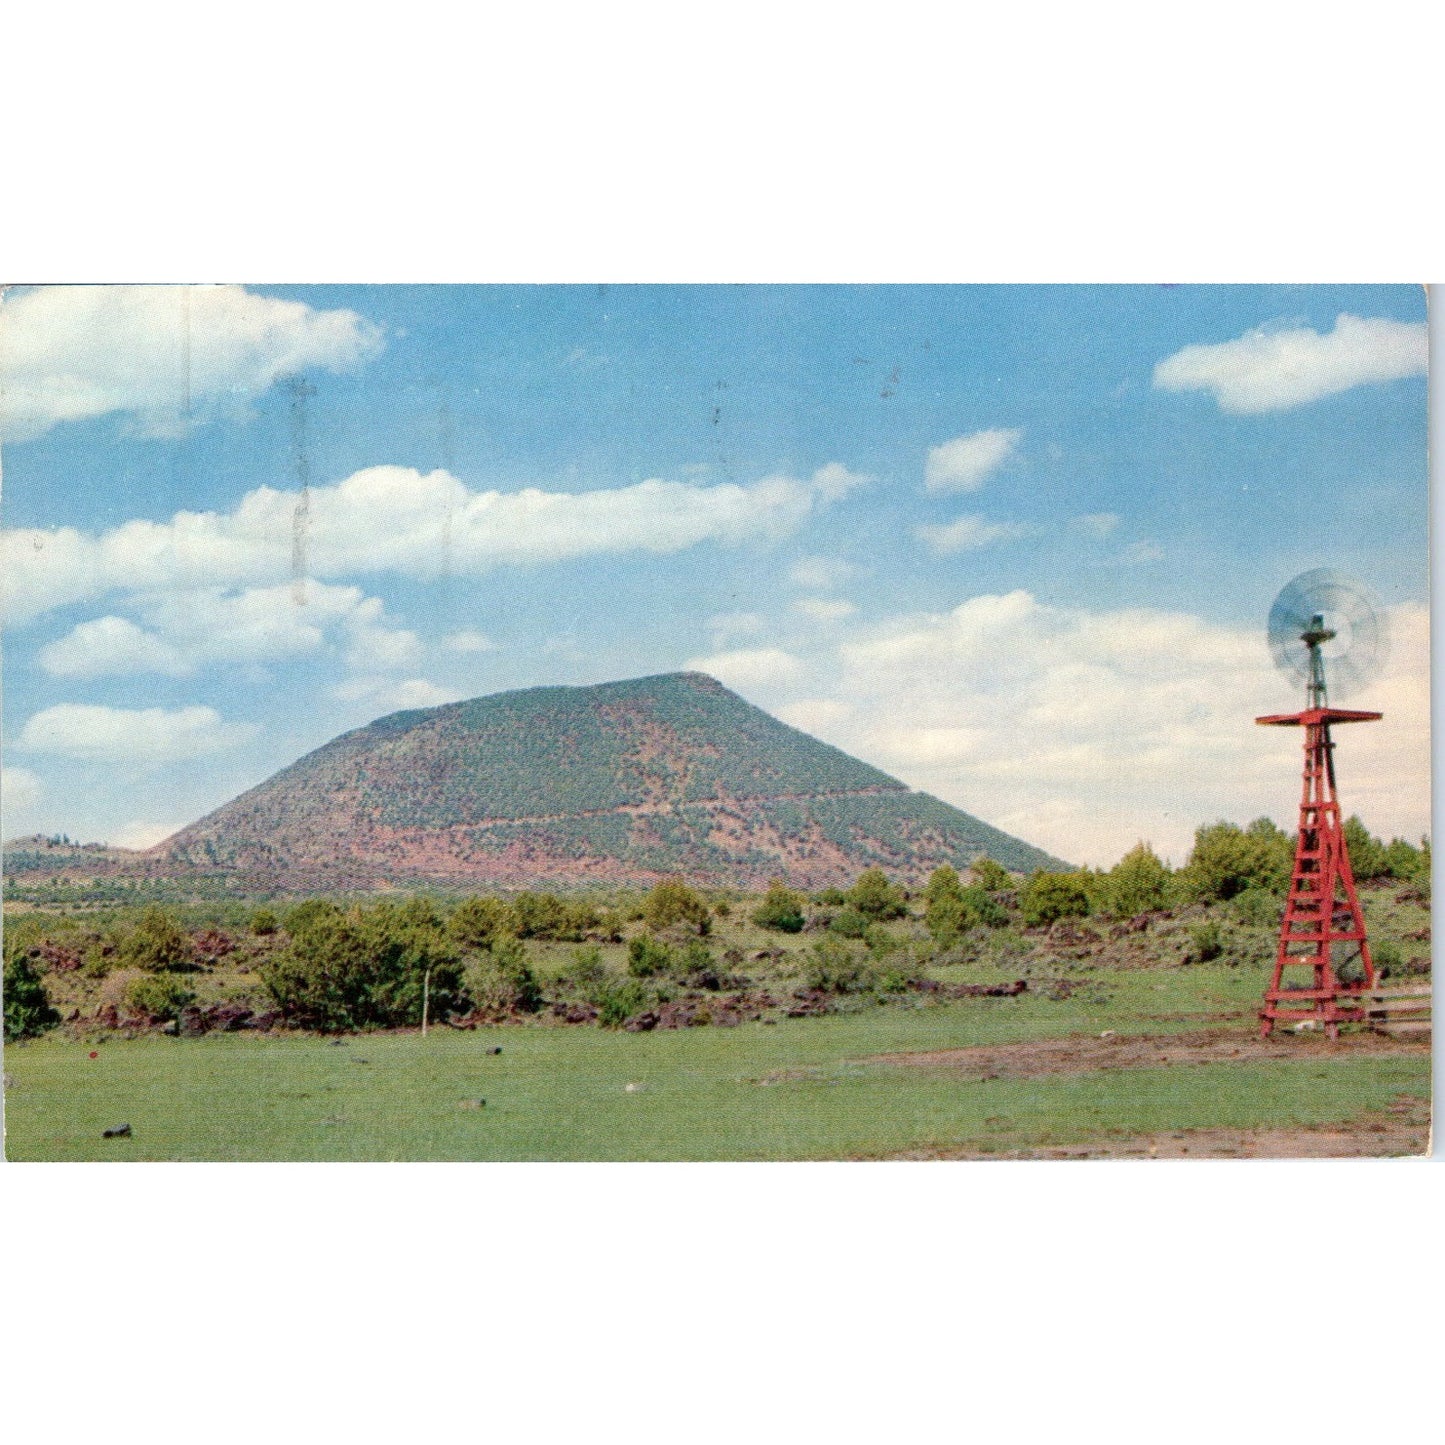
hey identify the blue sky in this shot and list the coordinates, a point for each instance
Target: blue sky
(1015, 545)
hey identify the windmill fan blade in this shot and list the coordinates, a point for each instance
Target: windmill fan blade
(1356, 651)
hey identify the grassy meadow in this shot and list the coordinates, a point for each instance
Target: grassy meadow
(799, 1089)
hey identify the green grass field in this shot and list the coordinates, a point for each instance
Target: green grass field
(799, 1089)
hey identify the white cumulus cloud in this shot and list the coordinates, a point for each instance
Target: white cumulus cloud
(824, 609)
(162, 355)
(968, 534)
(468, 640)
(1273, 369)
(111, 646)
(20, 790)
(757, 667)
(386, 692)
(144, 737)
(1096, 524)
(396, 520)
(821, 574)
(142, 835)
(963, 464)
(1085, 731)
(215, 625)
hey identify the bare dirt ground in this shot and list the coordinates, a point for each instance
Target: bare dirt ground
(1402, 1129)
(1085, 1053)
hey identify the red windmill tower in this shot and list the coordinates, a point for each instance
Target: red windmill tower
(1323, 932)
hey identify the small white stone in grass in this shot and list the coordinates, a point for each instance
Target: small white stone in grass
(632, 1089)
(1107, 1034)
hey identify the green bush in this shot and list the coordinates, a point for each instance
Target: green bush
(672, 901)
(876, 897)
(586, 968)
(367, 969)
(646, 956)
(264, 923)
(313, 911)
(28, 1010)
(1388, 958)
(992, 877)
(499, 980)
(781, 909)
(1369, 858)
(693, 959)
(1206, 941)
(544, 915)
(1047, 897)
(1257, 907)
(1138, 883)
(157, 998)
(479, 922)
(832, 967)
(155, 944)
(618, 1001)
(1226, 860)
(850, 923)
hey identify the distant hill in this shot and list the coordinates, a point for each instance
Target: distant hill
(623, 782)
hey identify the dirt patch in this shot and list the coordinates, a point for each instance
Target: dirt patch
(1402, 1129)
(1087, 1053)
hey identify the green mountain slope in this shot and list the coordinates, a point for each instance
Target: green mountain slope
(624, 781)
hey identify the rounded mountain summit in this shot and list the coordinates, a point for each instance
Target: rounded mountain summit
(624, 782)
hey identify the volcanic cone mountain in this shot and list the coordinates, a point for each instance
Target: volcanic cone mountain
(623, 782)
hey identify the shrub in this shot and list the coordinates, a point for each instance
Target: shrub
(831, 898)
(1257, 907)
(366, 969)
(1047, 897)
(1137, 883)
(586, 968)
(833, 967)
(781, 909)
(850, 923)
(1388, 958)
(480, 922)
(875, 896)
(943, 885)
(1406, 862)
(694, 959)
(305, 915)
(618, 1001)
(950, 915)
(1369, 858)
(992, 877)
(264, 923)
(157, 998)
(646, 956)
(541, 915)
(155, 944)
(501, 981)
(672, 901)
(1206, 941)
(1226, 860)
(28, 1011)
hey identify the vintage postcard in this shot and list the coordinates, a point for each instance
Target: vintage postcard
(748, 722)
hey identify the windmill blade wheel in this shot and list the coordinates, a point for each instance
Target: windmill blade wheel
(1356, 648)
